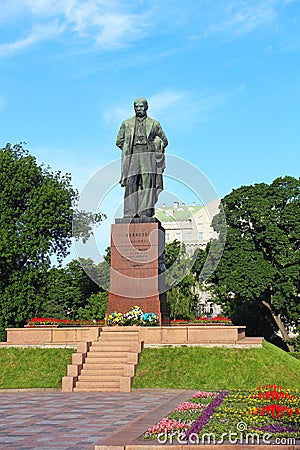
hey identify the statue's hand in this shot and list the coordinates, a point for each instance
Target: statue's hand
(158, 144)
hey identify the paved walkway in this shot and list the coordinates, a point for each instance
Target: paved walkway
(68, 421)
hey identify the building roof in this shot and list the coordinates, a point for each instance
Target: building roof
(178, 213)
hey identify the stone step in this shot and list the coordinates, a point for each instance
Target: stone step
(110, 332)
(106, 365)
(107, 368)
(120, 350)
(99, 366)
(107, 354)
(114, 340)
(111, 341)
(96, 389)
(110, 362)
(110, 348)
(251, 340)
(114, 343)
(102, 371)
(115, 354)
(97, 378)
(105, 359)
(118, 333)
(98, 384)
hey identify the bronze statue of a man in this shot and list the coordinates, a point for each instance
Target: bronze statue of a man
(143, 143)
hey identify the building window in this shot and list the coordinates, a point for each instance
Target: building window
(189, 236)
(167, 237)
(178, 236)
(200, 220)
(200, 235)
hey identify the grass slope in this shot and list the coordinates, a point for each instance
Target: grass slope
(216, 368)
(168, 367)
(33, 367)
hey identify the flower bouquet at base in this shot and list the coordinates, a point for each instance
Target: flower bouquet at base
(133, 317)
(115, 318)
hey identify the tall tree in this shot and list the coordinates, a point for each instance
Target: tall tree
(66, 287)
(261, 261)
(95, 307)
(180, 281)
(37, 207)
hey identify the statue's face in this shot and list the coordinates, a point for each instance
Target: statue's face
(140, 109)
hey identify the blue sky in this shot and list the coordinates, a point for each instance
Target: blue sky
(222, 77)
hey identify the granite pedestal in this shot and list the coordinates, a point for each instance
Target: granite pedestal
(137, 272)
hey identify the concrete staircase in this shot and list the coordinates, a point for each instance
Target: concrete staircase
(105, 365)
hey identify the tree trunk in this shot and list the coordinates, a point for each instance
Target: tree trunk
(280, 325)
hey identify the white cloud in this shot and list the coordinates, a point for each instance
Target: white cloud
(110, 24)
(38, 34)
(117, 114)
(238, 18)
(165, 100)
(161, 102)
(206, 106)
(106, 23)
(194, 107)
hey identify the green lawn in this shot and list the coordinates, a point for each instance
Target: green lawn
(168, 367)
(33, 367)
(216, 368)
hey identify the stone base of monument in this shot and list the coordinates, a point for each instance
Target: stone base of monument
(137, 275)
(186, 335)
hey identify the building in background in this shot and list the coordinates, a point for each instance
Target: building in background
(190, 224)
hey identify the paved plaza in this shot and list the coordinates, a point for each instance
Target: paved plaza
(44, 420)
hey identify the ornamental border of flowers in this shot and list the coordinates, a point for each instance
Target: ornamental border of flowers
(202, 321)
(40, 321)
(150, 319)
(270, 409)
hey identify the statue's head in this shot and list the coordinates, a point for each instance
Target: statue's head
(140, 106)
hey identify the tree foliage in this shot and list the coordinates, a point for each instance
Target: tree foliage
(180, 282)
(37, 210)
(261, 260)
(66, 287)
(95, 307)
(99, 273)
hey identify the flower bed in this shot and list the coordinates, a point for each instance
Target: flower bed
(49, 321)
(268, 414)
(133, 317)
(181, 418)
(219, 320)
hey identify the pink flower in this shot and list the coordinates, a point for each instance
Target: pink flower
(201, 394)
(165, 425)
(188, 405)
